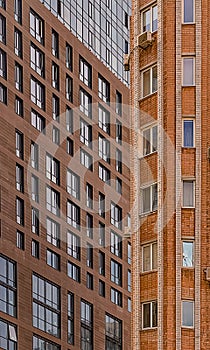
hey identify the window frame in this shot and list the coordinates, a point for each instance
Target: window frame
(152, 263)
(146, 9)
(183, 13)
(85, 72)
(152, 89)
(152, 207)
(191, 264)
(193, 83)
(193, 314)
(148, 144)
(151, 326)
(186, 120)
(193, 193)
(73, 189)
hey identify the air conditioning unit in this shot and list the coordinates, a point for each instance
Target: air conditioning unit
(126, 62)
(208, 153)
(127, 232)
(144, 40)
(207, 271)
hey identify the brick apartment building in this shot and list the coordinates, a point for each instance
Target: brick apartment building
(64, 185)
(170, 174)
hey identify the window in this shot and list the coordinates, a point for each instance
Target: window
(74, 271)
(89, 281)
(20, 211)
(18, 10)
(55, 44)
(188, 71)
(89, 225)
(69, 88)
(104, 148)
(19, 178)
(2, 29)
(188, 11)
(150, 140)
(129, 304)
(103, 89)
(129, 281)
(125, 19)
(18, 77)
(53, 232)
(3, 94)
(108, 28)
(86, 159)
(118, 103)
(101, 205)
(37, 93)
(104, 174)
(149, 80)
(101, 239)
(101, 258)
(46, 306)
(70, 146)
(35, 249)
(85, 103)
(37, 121)
(35, 220)
(188, 133)
(119, 161)
(119, 185)
(85, 72)
(73, 245)
(69, 120)
(118, 132)
(19, 144)
(8, 336)
(3, 4)
(73, 184)
(104, 119)
(35, 188)
(89, 196)
(187, 313)
(187, 254)
(55, 76)
(34, 155)
(52, 169)
(116, 244)
(116, 272)
(37, 27)
(85, 133)
(8, 291)
(126, 47)
(69, 57)
(89, 255)
(149, 256)
(3, 64)
(18, 42)
(86, 325)
(188, 193)
(71, 318)
(149, 314)
(129, 253)
(73, 215)
(37, 60)
(55, 135)
(116, 216)
(101, 288)
(116, 297)
(113, 333)
(53, 259)
(19, 106)
(52, 200)
(149, 19)
(149, 199)
(40, 343)
(55, 108)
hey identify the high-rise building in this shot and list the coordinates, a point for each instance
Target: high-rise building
(170, 174)
(65, 274)
(103, 26)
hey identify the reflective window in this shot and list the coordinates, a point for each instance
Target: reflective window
(113, 333)
(187, 313)
(149, 314)
(188, 133)
(8, 287)
(188, 11)
(188, 71)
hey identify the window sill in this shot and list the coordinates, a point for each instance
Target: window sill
(188, 208)
(143, 273)
(148, 213)
(148, 154)
(148, 329)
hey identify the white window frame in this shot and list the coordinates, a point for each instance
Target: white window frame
(149, 8)
(185, 257)
(52, 169)
(152, 262)
(183, 73)
(183, 13)
(52, 201)
(152, 89)
(73, 245)
(86, 159)
(193, 313)
(151, 209)
(183, 135)
(150, 140)
(193, 188)
(151, 312)
(104, 148)
(73, 184)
